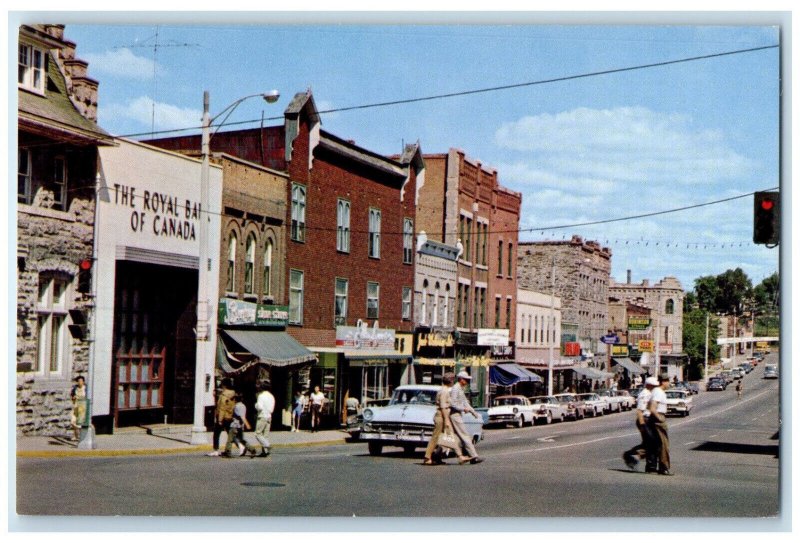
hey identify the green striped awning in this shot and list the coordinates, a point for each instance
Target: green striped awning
(277, 349)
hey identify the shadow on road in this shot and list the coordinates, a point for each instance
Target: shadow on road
(739, 448)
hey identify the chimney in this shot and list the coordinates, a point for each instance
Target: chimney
(629, 277)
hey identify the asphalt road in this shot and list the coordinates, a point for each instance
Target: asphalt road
(724, 455)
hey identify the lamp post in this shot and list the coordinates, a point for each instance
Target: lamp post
(204, 260)
(553, 324)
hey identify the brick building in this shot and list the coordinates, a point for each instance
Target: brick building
(582, 272)
(462, 203)
(57, 138)
(349, 241)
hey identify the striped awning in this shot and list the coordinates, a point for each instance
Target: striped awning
(277, 349)
(629, 365)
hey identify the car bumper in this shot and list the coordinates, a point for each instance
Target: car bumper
(396, 437)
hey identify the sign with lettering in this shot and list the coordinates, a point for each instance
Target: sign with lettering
(435, 339)
(646, 346)
(362, 337)
(610, 339)
(639, 323)
(237, 312)
(490, 337)
(157, 213)
(619, 350)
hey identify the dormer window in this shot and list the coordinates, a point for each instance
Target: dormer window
(30, 73)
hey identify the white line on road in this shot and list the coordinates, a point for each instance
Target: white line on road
(689, 443)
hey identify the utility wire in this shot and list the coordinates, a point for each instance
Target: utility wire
(489, 89)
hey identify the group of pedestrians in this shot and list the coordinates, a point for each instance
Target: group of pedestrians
(451, 404)
(651, 420)
(230, 416)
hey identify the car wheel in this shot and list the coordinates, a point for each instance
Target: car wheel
(475, 439)
(521, 421)
(563, 418)
(375, 448)
(549, 419)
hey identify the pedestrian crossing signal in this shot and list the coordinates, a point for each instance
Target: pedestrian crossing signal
(766, 218)
(80, 323)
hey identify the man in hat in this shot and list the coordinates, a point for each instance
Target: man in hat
(643, 450)
(459, 405)
(658, 425)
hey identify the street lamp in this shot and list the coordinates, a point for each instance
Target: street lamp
(204, 261)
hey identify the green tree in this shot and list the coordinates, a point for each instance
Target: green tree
(706, 292)
(735, 290)
(694, 340)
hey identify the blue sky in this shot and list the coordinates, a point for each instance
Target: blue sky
(580, 150)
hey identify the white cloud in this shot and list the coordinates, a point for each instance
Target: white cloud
(122, 63)
(626, 144)
(167, 116)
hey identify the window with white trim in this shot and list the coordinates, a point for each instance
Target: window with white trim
(249, 264)
(60, 183)
(230, 281)
(30, 72)
(343, 226)
(374, 233)
(446, 307)
(267, 287)
(340, 302)
(406, 303)
(435, 316)
(296, 297)
(408, 241)
(424, 301)
(53, 344)
(373, 300)
(298, 212)
(24, 176)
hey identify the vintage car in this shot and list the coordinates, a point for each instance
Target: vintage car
(737, 373)
(595, 404)
(678, 402)
(574, 405)
(770, 371)
(516, 410)
(546, 409)
(407, 421)
(616, 402)
(628, 400)
(716, 383)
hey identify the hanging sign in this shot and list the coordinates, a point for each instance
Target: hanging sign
(238, 312)
(639, 323)
(646, 346)
(619, 350)
(610, 339)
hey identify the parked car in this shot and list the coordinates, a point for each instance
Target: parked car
(737, 373)
(770, 371)
(678, 402)
(595, 405)
(691, 388)
(613, 399)
(546, 409)
(628, 399)
(407, 421)
(747, 367)
(516, 410)
(716, 383)
(727, 375)
(635, 391)
(574, 405)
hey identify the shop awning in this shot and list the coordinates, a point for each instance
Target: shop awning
(629, 365)
(592, 373)
(276, 349)
(509, 373)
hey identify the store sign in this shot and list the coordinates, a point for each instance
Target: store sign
(362, 337)
(502, 351)
(162, 215)
(610, 339)
(490, 337)
(646, 346)
(572, 348)
(238, 312)
(639, 323)
(436, 339)
(619, 350)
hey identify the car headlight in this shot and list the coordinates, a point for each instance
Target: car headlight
(367, 426)
(368, 414)
(516, 410)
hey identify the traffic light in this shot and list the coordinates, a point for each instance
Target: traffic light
(80, 323)
(85, 276)
(766, 218)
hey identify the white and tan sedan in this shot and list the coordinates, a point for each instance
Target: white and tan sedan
(515, 410)
(546, 409)
(679, 402)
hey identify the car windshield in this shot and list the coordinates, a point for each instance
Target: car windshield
(507, 401)
(404, 396)
(540, 400)
(565, 398)
(675, 394)
(587, 396)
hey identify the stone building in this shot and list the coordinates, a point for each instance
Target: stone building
(665, 299)
(582, 274)
(58, 139)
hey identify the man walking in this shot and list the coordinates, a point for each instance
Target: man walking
(317, 401)
(458, 406)
(223, 413)
(632, 456)
(265, 405)
(658, 425)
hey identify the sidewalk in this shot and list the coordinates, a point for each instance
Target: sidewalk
(160, 439)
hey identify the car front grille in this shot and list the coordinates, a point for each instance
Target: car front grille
(396, 427)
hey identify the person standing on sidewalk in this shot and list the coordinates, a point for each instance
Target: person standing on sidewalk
(643, 450)
(78, 397)
(658, 425)
(317, 400)
(223, 413)
(459, 405)
(297, 410)
(265, 405)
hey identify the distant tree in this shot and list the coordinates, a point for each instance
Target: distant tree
(706, 292)
(690, 302)
(735, 290)
(694, 340)
(767, 294)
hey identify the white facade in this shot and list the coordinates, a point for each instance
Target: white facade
(435, 284)
(538, 327)
(148, 212)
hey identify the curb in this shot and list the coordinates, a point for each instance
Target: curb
(150, 452)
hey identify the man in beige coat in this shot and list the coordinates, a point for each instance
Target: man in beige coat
(441, 421)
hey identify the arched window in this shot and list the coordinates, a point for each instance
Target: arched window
(230, 283)
(669, 308)
(268, 268)
(249, 264)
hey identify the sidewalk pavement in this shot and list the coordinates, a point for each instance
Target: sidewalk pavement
(161, 439)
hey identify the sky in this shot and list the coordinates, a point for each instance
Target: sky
(581, 148)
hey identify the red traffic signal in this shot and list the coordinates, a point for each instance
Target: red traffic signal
(766, 218)
(85, 276)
